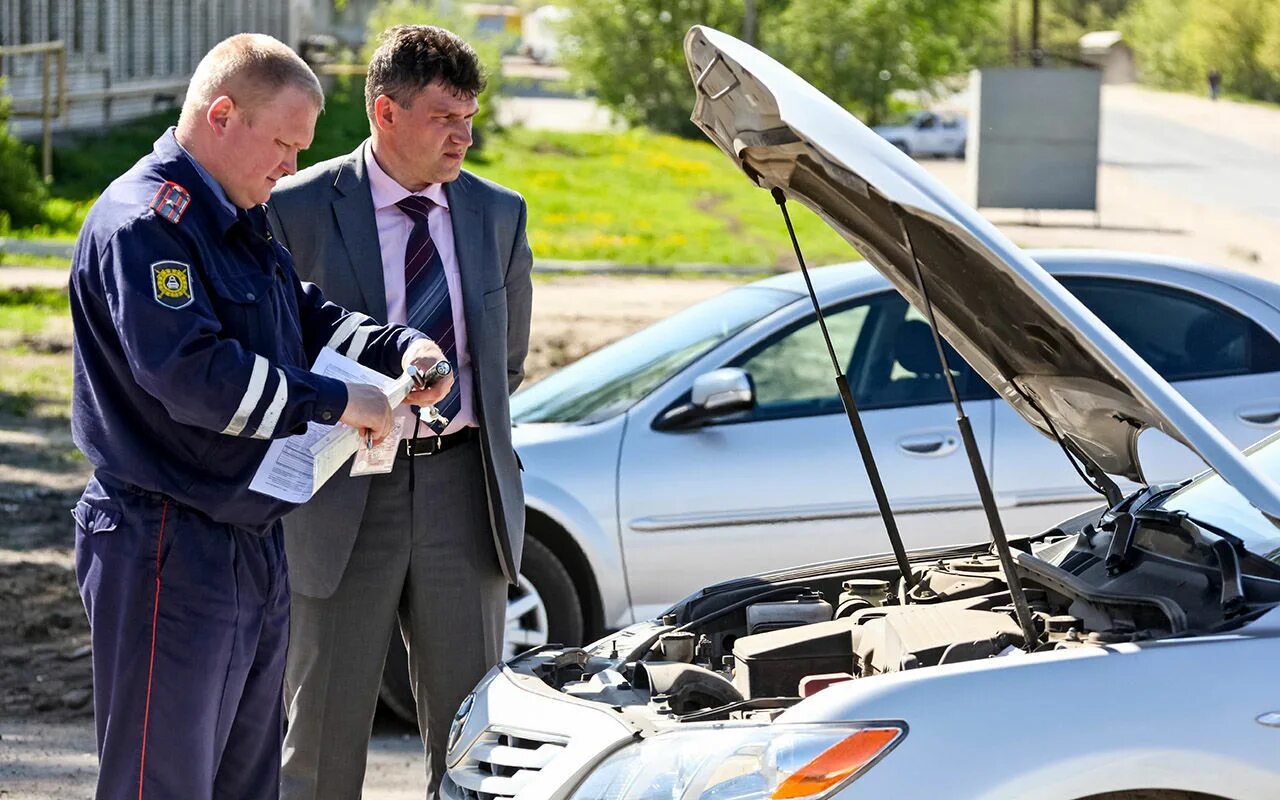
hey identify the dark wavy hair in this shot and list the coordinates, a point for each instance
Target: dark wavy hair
(411, 57)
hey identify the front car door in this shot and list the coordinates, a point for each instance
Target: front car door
(783, 484)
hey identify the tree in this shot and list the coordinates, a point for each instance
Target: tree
(22, 194)
(1228, 35)
(631, 54)
(858, 52)
(1177, 42)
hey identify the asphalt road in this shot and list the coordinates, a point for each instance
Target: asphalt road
(1167, 142)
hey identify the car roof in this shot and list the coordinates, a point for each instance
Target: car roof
(838, 281)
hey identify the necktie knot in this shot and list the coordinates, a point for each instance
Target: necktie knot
(415, 206)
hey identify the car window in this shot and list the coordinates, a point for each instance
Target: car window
(614, 378)
(1181, 335)
(885, 347)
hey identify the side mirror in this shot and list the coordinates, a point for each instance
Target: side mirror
(715, 394)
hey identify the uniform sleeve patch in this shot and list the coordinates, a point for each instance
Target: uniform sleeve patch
(171, 201)
(171, 281)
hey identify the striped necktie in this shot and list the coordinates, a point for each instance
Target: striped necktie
(428, 307)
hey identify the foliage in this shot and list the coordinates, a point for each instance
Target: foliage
(342, 126)
(22, 193)
(1177, 42)
(443, 14)
(1154, 29)
(630, 53)
(858, 53)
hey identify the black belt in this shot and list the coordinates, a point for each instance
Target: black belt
(430, 445)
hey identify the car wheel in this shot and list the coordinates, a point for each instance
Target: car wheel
(543, 607)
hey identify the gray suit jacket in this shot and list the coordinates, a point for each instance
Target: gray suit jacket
(324, 215)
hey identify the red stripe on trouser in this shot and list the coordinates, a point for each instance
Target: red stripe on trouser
(151, 667)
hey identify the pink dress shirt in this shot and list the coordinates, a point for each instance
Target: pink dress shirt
(393, 236)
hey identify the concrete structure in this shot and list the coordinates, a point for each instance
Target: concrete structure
(127, 58)
(1033, 138)
(1107, 51)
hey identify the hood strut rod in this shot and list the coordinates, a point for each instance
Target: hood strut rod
(851, 410)
(1021, 609)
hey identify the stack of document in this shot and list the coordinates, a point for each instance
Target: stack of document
(295, 468)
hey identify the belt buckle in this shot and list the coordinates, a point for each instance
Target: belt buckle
(413, 449)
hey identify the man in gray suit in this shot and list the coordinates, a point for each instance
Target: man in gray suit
(397, 230)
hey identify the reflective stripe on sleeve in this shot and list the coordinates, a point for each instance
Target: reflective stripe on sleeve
(347, 327)
(252, 394)
(359, 341)
(272, 415)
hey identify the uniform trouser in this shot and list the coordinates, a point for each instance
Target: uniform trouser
(189, 621)
(438, 575)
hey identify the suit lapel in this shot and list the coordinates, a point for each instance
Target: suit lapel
(467, 218)
(353, 209)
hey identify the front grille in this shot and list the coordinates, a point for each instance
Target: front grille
(500, 764)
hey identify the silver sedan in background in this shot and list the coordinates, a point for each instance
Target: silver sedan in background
(713, 444)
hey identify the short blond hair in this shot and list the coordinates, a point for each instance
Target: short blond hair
(250, 68)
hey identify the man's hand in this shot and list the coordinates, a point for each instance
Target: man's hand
(423, 354)
(367, 411)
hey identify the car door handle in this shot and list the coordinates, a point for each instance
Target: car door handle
(1260, 416)
(933, 445)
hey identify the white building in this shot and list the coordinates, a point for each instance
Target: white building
(127, 58)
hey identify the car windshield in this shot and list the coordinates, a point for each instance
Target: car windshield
(614, 378)
(1212, 500)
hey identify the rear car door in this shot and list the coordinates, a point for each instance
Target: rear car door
(1222, 362)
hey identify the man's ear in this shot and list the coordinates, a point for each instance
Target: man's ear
(384, 112)
(220, 113)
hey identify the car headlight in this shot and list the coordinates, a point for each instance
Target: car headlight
(742, 762)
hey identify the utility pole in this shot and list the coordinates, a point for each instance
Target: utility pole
(1015, 33)
(749, 22)
(1037, 55)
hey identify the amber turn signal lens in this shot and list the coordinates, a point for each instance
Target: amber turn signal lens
(836, 763)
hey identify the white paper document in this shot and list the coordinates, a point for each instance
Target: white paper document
(296, 467)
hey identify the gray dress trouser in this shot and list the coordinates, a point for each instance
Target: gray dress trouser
(439, 579)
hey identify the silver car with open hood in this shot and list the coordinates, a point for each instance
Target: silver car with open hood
(1129, 653)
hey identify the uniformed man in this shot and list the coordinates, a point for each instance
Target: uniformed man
(193, 338)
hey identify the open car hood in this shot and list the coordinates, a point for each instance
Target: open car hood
(1039, 347)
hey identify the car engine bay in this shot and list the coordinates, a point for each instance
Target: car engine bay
(750, 648)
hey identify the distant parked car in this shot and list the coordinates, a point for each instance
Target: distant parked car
(926, 133)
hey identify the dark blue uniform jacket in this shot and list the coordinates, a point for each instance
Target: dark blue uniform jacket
(193, 342)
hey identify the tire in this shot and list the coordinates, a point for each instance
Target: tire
(551, 613)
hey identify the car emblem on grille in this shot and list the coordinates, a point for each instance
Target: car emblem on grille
(459, 722)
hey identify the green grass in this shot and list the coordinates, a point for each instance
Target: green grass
(35, 370)
(645, 198)
(30, 311)
(635, 197)
(27, 260)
